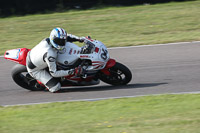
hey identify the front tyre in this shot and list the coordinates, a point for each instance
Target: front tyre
(19, 74)
(119, 75)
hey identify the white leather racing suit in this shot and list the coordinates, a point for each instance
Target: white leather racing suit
(42, 56)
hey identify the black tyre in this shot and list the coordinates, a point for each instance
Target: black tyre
(119, 75)
(19, 74)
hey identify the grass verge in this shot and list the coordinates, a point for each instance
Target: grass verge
(115, 26)
(156, 114)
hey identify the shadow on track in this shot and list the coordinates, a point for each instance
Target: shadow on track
(108, 87)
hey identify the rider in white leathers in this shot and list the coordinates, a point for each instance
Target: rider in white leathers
(44, 55)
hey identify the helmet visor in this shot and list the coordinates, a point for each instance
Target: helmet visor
(59, 41)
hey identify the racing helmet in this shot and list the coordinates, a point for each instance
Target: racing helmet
(58, 38)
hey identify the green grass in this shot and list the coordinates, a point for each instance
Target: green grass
(147, 114)
(115, 26)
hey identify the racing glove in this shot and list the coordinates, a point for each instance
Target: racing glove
(78, 71)
(81, 39)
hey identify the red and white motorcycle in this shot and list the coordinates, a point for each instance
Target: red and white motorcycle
(93, 57)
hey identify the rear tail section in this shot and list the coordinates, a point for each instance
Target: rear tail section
(17, 55)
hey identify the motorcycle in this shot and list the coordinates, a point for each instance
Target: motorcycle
(93, 57)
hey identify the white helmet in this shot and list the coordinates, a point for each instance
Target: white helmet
(58, 38)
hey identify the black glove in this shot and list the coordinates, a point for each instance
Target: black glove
(81, 39)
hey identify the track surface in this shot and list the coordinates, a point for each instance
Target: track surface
(156, 69)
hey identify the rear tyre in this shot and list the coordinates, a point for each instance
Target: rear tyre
(19, 75)
(119, 75)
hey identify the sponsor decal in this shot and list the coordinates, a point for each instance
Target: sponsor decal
(84, 56)
(70, 51)
(97, 64)
(104, 54)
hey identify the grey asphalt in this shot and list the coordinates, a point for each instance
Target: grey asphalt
(157, 69)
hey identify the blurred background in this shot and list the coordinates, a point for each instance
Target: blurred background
(23, 7)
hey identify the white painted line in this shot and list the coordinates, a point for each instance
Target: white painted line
(155, 45)
(97, 99)
(152, 45)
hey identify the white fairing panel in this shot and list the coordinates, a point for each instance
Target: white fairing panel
(12, 54)
(99, 55)
(69, 55)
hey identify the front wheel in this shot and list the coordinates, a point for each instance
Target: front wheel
(22, 78)
(119, 75)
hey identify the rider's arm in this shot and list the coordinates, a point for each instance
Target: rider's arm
(51, 62)
(73, 38)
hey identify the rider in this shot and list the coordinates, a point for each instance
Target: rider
(44, 55)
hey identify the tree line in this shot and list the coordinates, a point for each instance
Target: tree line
(23, 7)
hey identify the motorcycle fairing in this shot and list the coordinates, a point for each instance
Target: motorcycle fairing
(69, 55)
(98, 55)
(110, 63)
(17, 55)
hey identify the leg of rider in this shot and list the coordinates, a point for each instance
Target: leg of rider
(51, 83)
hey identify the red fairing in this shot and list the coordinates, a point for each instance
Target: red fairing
(109, 64)
(17, 55)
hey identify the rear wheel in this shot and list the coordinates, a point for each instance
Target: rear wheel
(22, 78)
(119, 75)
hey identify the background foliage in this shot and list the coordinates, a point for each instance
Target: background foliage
(23, 7)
